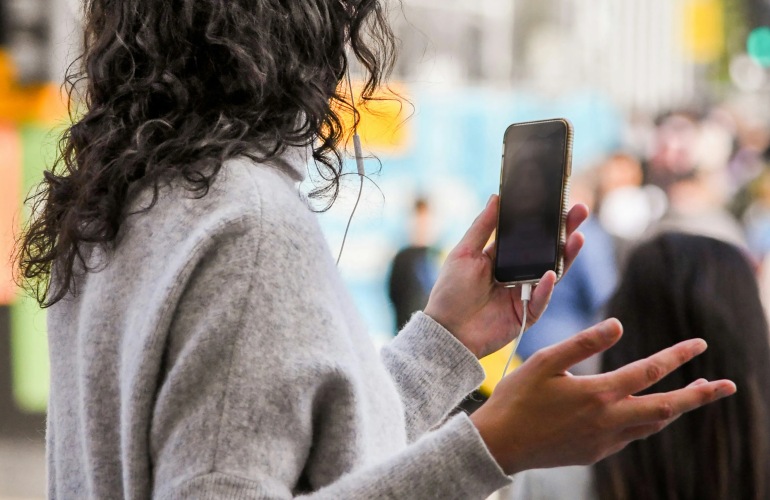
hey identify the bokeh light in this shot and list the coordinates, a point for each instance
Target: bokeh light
(758, 45)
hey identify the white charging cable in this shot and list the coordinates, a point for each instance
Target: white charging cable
(526, 293)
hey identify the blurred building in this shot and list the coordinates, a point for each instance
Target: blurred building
(647, 56)
(40, 36)
(455, 40)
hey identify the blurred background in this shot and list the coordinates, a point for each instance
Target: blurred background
(670, 101)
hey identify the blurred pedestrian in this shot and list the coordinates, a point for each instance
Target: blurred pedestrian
(415, 267)
(627, 207)
(691, 165)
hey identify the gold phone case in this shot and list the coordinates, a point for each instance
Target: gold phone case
(564, 197)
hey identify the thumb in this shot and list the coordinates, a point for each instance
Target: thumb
(481, 229)
(598, 338)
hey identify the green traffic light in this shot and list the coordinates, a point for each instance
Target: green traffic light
(758, 45)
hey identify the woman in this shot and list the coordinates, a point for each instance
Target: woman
(675, 287)
(202, 343)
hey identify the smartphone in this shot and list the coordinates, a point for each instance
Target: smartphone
(534, 190)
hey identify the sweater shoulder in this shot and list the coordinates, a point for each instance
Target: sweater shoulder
(241, 197)
(250, 209)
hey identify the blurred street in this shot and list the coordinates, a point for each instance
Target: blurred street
(22, 469)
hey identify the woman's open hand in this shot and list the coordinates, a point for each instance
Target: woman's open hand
(467, 301)
(541, 416)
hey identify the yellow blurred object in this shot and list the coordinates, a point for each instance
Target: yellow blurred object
(494, 364)
(42, 103)
(382, 126)
(704, 31)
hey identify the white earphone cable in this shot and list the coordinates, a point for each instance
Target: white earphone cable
(359, 155)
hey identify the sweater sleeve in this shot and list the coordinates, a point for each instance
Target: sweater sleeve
(433, 372)
(448, 463)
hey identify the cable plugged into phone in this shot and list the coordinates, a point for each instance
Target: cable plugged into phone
(526, 294)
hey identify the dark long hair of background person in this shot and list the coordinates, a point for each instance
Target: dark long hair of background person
(173, 89)
(678, 287)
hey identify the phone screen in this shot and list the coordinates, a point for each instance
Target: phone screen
(531, 190)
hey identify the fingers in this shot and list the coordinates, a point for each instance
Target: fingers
(541, 296)
(656, 408)
(481, 229)
(491, 249)
(641, 374)
(572, 248)
(600, 337)
(576, 216)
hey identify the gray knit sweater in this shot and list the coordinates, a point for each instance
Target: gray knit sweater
(216, 353)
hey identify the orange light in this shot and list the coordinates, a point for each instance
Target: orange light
(383, 126)
(42, 103)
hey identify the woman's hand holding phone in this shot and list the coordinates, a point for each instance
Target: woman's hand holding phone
(467, 301)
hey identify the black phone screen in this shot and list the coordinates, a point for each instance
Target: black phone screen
(531, 190)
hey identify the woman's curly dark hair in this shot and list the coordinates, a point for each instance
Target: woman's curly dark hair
(176, 87)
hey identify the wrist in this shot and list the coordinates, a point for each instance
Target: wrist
(452, 328)
(492, 440)
(498, 442)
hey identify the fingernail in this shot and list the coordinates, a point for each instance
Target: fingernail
(726, 390)
(489, 201)
(606, 331)
(699, 346)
